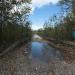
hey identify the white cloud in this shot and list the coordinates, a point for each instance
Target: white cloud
(36, 27)
(36, 4)
(41, 3)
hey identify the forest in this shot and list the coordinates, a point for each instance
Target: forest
(14, 23)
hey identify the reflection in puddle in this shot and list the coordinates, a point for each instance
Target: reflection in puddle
(41, 51)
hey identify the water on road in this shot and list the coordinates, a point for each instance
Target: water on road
(41, 51)
(35, 58)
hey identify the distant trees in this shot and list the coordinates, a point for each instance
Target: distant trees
(62, 30)
(60, 26)
(70, 17)
(14, 22)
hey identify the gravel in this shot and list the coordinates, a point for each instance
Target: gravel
(16, 62)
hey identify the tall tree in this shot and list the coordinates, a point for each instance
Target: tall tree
(13, 21)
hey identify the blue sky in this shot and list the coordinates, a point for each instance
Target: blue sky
(41, 12)
(40, 15)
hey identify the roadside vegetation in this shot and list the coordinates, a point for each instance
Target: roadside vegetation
(61, 26)
(14, 23)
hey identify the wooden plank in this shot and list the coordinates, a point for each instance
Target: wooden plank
(10, 48)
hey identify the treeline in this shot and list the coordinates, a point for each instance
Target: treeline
(61, 26)
(14, 22)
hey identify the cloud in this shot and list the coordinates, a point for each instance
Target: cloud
(40, 3)
(36, 27)
(36, 4)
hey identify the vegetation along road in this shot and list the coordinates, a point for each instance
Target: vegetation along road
(36, 25)
(35, 58)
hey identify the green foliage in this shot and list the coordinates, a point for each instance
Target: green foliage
(14, 26)
(61, 27)
(60, 31)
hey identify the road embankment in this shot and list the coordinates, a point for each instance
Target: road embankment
(14, 45)
(11, 47)
(68, 49)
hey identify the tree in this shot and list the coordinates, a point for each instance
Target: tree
(13, 23)
(70, 17)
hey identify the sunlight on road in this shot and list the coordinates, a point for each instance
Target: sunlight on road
(35, 36)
